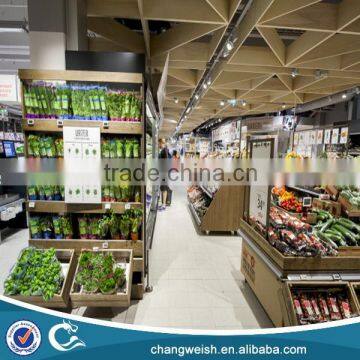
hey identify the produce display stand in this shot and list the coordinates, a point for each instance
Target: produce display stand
(271, 274)
(119, 299)
(68, 261)
(122, 128)
(224, 211)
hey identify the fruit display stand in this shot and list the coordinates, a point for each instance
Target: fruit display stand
(267, 270)
(68, 260)
(119, 298)
(224, 211)
(55, 126)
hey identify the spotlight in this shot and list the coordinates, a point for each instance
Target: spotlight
(294, 73)
(283, 106)
(343, 96)
(229, 45)
(188, 110)
(204, 86)
(243, 103)
(222, 103)
(219, 120)
(196, 97)
(176, 100)
(208, 82)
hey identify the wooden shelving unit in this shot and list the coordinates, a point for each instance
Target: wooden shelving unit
(224, 212)
(106, 127)
(39, 206)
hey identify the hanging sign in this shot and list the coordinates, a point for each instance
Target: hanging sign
(319, 137)
(9, 88)
(344, 135)
(82, 159)
(327, 137)
(335, 136)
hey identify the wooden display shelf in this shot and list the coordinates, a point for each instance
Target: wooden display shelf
(118, 299)
(288, 264)
(106, 127)
(288, 287)
(58, 300)
(40, 206)
(348, 209)
(225, 210)
(332, 191)
(80, 75)
(79, 244)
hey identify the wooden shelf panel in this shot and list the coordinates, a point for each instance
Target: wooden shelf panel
(76, 75)
(114, 127)
(80, 244)
(62, 207)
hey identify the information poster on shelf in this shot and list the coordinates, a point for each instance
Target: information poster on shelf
(335, 136)
(296, 139)
(319, 137)
(344, 133)
(82, 159)
(260, 195)
(327, 137)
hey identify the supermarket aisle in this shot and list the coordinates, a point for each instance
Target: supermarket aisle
(197, 280)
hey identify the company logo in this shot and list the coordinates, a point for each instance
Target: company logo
(23, 337)
(73, 342)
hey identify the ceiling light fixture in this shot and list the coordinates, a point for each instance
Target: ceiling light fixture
(283, 106)
(176, 100)
(343, 96)
(222, 103)
(208, 82)
(188, 110)
(243, 103)
(204, 86)
(294, 73)
(196, 97)
(229, 45)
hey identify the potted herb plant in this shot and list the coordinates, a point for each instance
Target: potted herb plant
(125, 226)
(83, 228)
(66, 227)
(135, 220)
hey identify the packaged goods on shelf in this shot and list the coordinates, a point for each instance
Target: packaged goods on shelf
(37, 272)
(80, 102)
(88, 226)
(45, 146)
(120, 148)
(46, 192)
(121, 193)
(287, 199)
(317, 306)
(199, 200)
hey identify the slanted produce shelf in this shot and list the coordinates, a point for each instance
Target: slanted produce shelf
(319, 286)
(61, 300)
(349, 210)
(207, 191)
(106, 127)
(288, 264)
(80, 244)
(304, 191)
(39, 206)
(118, 299)
(194, 213)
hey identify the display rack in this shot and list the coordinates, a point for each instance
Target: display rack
(106, 127)
(224, 211)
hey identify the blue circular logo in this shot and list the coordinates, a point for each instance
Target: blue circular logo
(23, 337)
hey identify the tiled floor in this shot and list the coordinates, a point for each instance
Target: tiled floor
(196, 279)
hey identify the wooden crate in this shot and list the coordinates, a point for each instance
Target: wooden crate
(316, 285)
(288, 264)
(355, 285)
(119, 299)
(349, 210)
(61, 300)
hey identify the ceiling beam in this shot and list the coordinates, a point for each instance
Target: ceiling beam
(186, 76)
(254, 55)
(145, 27)
(274, 41)
(285, 7)
(349, 60)
(348, 12)
(120, 34)
(178, 36)
(222, 8)
(113, 9)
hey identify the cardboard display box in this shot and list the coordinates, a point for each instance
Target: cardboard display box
(332, 207)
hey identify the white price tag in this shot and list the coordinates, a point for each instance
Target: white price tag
(307, 202)
(95, 248)
(30, 122)
(127, 206)
(105, 245)
(324, 197)
(106, 124)
(107, 206)
(304, 277)
(31, 204)
(60, 123)
(336, 276)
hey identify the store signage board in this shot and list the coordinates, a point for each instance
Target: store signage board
(259, 199)
(312, 137)
(335, 136)
(161, 92)
(327, 137)
(82, 148)
(344, 135)
(9, 88)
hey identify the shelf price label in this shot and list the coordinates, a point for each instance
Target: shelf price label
(127, 206)
(31, 204)
(258, 208)
(107, 206)
(105, 245)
